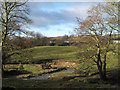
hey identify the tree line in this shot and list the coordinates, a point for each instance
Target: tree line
(24, 42)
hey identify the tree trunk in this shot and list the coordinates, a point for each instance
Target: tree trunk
(100, 71)
(100, 65)
(104, 67)
(4, 35)
(2, 70)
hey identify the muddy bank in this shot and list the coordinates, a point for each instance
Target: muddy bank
(60, 63)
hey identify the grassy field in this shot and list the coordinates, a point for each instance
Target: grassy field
(41, 53)
(65, 53)
(30, 68)
(58, 80)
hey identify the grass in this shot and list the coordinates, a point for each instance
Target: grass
(112, 61)
(66, 53)
(61, 75)
(60, 53)
(27, 68)
(36, 54)
(34, 68)
(16, 83)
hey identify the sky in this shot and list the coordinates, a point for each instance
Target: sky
(54, 19)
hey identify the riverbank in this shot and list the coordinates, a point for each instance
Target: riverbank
(62, 80)
(91, 82)
(12, 70)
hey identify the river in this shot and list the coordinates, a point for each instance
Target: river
(46, 76)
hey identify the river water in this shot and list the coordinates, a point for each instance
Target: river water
(46, 76)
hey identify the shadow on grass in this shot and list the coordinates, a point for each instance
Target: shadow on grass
(14, 72)
(92, 82)
(84, 82)
(8, 88)
(44, 61)
(113, 78)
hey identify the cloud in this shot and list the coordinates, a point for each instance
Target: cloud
(56, 19)
(46, 14)
(55, 30)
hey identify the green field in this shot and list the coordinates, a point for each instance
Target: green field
(41, 53)
(49, 53)
(58, 80)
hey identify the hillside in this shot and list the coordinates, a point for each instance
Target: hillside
(48, 53)
(42, 53)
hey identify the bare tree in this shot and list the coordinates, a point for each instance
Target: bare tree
(13, 16)
(100, 24)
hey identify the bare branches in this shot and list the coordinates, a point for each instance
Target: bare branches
(13, 16)
(100, 24)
